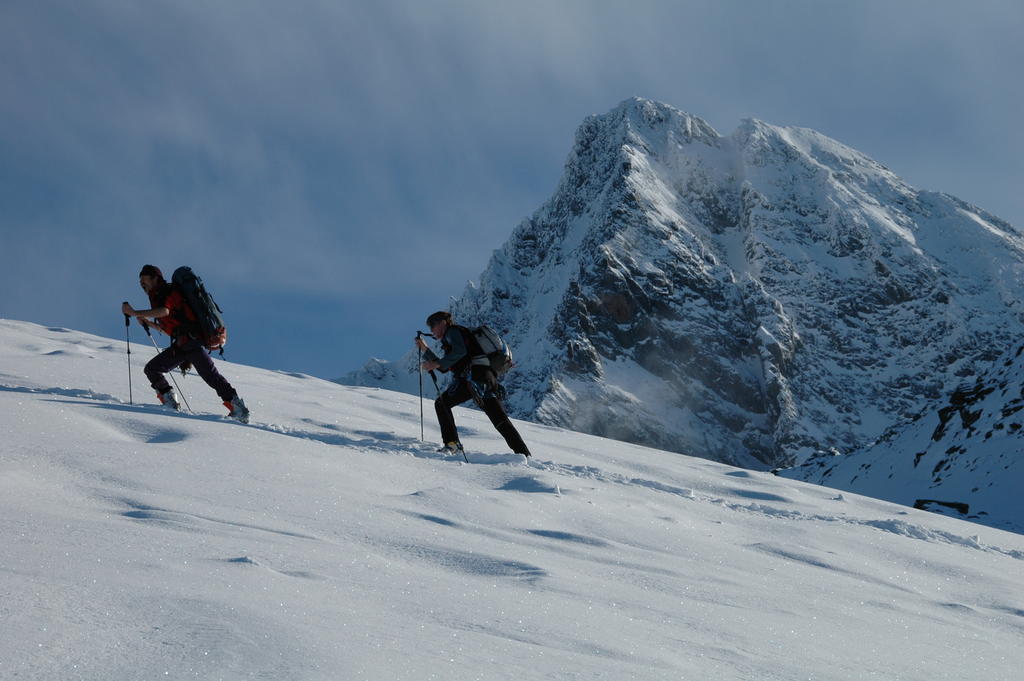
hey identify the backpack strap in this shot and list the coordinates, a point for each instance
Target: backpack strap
(473, 351)
(184, 317)
(477, 356)
(472, 344)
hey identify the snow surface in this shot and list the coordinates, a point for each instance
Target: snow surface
(326, 541)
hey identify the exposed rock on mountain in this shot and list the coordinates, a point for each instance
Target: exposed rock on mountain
(962, 456)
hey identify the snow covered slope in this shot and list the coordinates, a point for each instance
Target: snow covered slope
(752, 298)
(963, 455)
(326, 542)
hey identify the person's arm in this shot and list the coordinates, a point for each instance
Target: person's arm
(144, 316)
(457, 349)
(427, 352)
(152, 313)
(429, 358)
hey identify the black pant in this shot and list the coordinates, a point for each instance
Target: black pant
(483, 391)
(191, 351)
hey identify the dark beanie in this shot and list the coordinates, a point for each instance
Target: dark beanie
(151, 271)
(439, 316)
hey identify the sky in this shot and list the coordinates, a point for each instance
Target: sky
(326, 541)
(335, 170)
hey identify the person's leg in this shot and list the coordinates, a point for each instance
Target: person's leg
(168, 360)
(486, 391)
(204, 366)
(496, 412)
(454, 394)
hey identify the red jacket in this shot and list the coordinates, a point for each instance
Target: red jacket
(181, 320)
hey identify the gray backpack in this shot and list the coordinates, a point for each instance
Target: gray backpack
(493, 347)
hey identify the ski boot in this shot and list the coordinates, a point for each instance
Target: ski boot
(169, 399)
(453, 449)
(237, 409)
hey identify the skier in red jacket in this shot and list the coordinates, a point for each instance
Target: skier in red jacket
(171, 314)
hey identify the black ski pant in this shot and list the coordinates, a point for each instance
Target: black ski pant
(193, 352)
(461, 390)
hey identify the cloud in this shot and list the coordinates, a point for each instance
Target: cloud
(371, 149)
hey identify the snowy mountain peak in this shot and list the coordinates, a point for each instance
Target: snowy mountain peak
(640, 117)
(752, 299)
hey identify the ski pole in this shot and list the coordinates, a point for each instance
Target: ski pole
(433, 376)
(128, 344)
(146, 327)
(419, 370)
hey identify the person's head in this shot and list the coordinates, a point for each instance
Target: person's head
(439, 323)
(150, 277)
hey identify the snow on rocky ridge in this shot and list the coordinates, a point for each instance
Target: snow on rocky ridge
(963, 455)
(755, 299)
(324, 541)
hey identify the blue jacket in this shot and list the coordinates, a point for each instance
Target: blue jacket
(455, 350)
